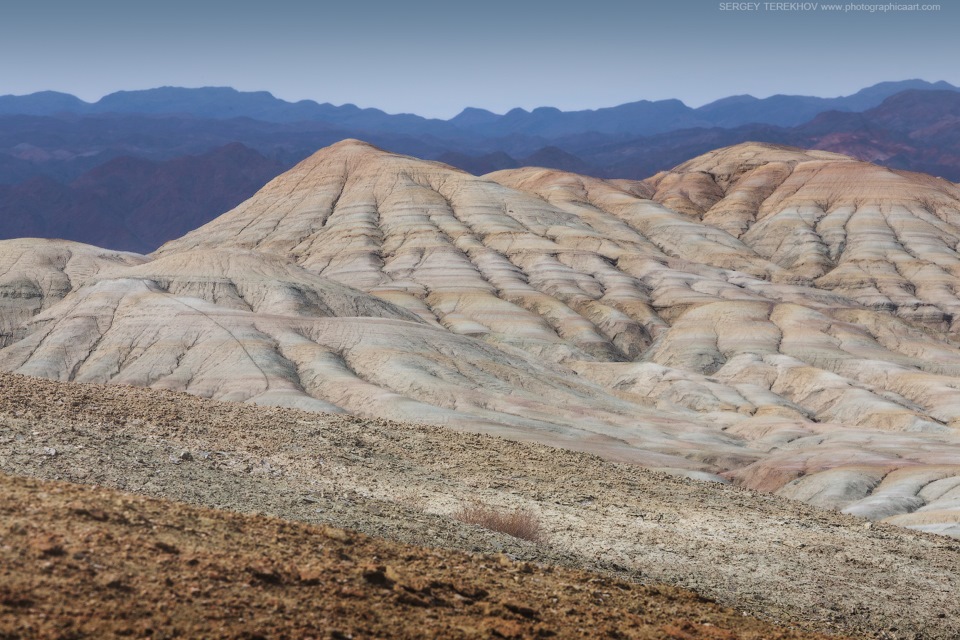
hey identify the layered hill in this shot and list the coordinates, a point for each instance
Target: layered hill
(781, 319)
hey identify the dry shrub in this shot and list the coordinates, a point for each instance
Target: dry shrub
(519, 523)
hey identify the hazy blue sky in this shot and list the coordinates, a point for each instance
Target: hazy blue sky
(434, 58)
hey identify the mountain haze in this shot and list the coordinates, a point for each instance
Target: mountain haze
(643, 117)
(131, 203)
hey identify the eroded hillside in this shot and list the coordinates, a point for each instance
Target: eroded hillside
(781, 319)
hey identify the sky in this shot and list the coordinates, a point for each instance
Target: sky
(434, 57)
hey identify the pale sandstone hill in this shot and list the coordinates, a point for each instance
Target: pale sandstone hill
(35, 274)
(887, 239)
(245, 326)
(699, 333)
(463, 252)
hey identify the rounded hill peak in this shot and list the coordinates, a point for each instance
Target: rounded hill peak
(755, 154)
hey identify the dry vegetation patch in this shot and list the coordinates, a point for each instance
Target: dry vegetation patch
(519, 523)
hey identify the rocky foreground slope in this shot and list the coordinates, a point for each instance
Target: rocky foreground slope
(81, 562)
(780, 319)
(766, 556)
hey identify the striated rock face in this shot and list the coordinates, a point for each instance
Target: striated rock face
(884, 239)
(762, 315)
(35, 274)
(464, 253)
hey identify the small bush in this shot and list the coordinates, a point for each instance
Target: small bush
(519, 523)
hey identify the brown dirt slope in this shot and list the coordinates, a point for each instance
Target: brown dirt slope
(89, 562)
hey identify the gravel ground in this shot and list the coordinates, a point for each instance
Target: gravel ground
(85, 562)
(765, 556)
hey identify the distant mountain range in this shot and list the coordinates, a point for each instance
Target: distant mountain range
(90, 171)
(912, 130)
(643, 117)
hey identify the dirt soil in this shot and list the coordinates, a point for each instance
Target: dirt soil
(90, 562)
(768, 557)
